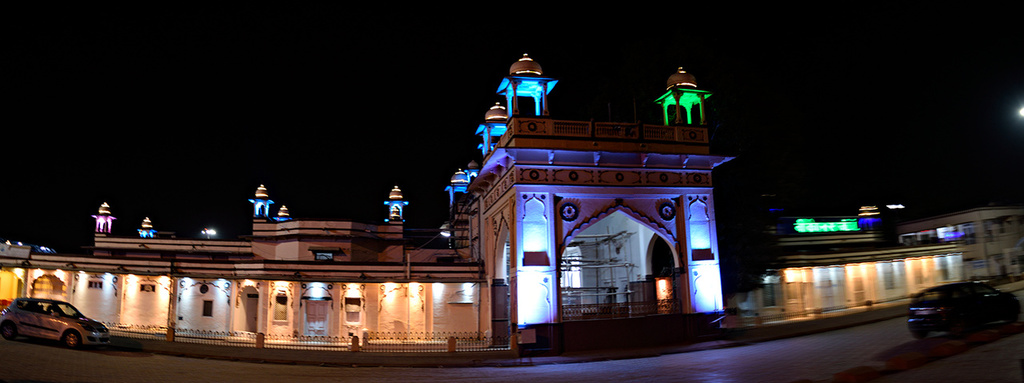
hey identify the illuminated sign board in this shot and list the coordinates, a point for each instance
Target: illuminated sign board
(809, 225)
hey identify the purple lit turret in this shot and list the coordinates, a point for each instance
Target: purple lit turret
(104, 220)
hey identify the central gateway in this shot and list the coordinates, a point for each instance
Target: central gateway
(594, 234)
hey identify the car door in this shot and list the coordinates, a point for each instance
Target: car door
(50, 322)
(28, 318)
(989, 304)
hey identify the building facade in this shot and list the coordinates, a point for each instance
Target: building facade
(992, 238)
(292, 277)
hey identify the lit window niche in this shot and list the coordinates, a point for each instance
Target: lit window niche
(281, 307)
(699, 231)
(535, 234)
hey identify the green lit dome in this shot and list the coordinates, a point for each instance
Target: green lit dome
(681, 79)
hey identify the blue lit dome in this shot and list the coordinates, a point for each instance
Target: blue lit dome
(396, 193)
(460, 177)
(525, 66)
(681, 79)
(261, 192)
(496, 113)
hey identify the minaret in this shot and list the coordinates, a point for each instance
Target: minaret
(261, 204)
(525, 79)
(495, 123)
(104, 220)
(457, 186)
(395, 206)
(681, 98)
(147, 229)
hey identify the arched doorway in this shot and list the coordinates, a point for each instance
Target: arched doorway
(48, 287)
(500, 290)
(608, 269)
(250, 309)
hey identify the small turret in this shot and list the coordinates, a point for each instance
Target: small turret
(104, 220)
(396, 206)
(261, 204)
(147, 229)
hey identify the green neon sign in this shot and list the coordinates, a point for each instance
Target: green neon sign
(807, 225)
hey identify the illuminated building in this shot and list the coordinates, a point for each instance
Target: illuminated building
(563, 230)
(591, 227)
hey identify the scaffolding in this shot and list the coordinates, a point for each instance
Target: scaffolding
(593, 273)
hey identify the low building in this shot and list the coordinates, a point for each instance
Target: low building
(292, 277)
(840, 262)
(991, 238)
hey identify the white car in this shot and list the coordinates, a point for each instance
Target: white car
(51, 319)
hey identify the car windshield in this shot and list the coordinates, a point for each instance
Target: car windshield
(931, 295)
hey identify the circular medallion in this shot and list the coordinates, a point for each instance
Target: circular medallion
(693, 135)
(569, 212)
(698, 178)
(573, 176)
(663, 177)
(203, 289)
(619, 177)
(534, 175)
(531, 127)
(667, 211)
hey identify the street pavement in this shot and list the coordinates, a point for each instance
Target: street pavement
(849, 348)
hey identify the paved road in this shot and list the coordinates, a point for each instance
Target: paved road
(814, 357)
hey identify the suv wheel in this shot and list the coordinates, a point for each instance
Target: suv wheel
(71, 339)
(8, 330)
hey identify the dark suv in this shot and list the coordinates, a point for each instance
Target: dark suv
(958, 306)
(50, 319)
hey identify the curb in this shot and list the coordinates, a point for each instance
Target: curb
(911, 360)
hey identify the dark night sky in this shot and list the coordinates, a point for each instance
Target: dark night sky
(180, 115)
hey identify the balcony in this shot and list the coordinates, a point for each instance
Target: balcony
(610, 136)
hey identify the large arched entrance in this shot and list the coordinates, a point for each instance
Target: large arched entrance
(609, 270)
(48, 287)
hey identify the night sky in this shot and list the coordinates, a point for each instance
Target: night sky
(178, 115)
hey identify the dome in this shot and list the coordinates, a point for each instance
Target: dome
(681, 78)
(525, 65)
(460, 177)
(261, 192)
(496, 113)
(396, 193)
(104, 209)
(147, 224)
(473, 165)
(283, 211)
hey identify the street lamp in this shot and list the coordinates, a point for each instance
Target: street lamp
(1022, 111)
(209, 232)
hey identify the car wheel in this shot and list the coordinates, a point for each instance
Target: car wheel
(8, 330)
(919, 334)
(71, 339)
